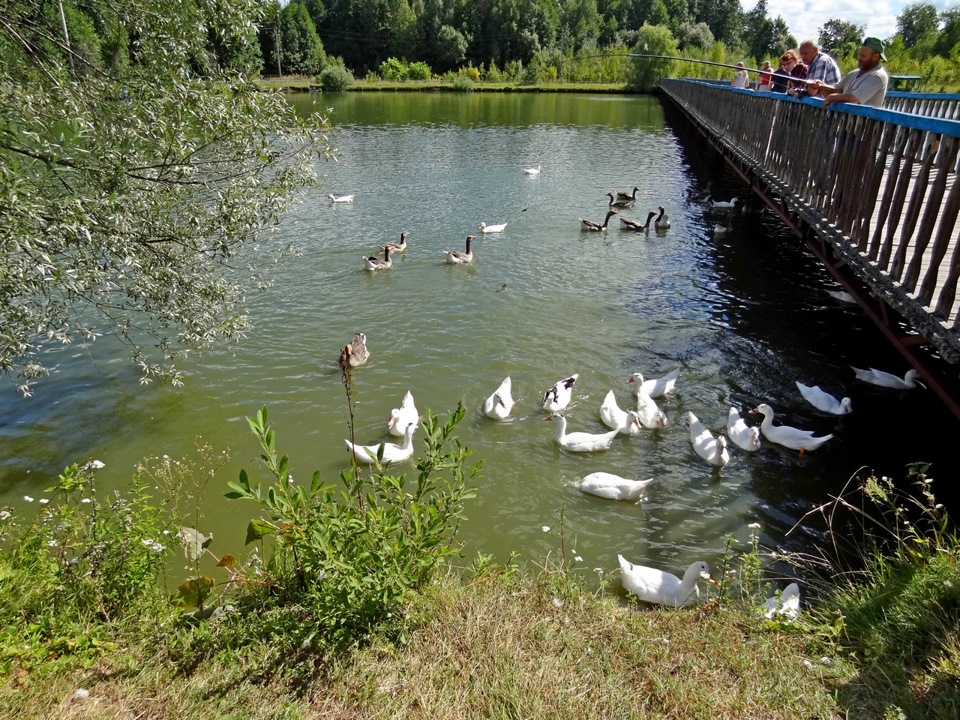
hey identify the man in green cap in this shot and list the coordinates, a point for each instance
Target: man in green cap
(867, 85)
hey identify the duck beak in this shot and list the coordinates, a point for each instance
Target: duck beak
(710, 577)
(753, 411)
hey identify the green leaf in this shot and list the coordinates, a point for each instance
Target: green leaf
(194, 542)
(194, 591)
(258, 529)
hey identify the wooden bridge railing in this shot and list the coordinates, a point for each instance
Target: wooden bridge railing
(880, 186)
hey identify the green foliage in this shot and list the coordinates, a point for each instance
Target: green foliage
(393, 69)
(349, 560)
(841, 37)
(126, 197)
(653, 40)
(419, 71)
(335, 77)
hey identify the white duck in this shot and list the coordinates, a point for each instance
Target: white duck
(743, 435)
(402, 416)
(613, 487)
(710, 448)
(374, 263)
(655, 387)
(492, 228)
(663, 221)
(392, 453)
(455, 257)
(532, 170)
(341, 198)
(635, 225)
(612, 416)
(500, 403)
(842, 296)
(400, 246)
(885, 379)
(651, 416)
(580, 441)
(724, 205)
(824, 401)
(787, 605)
(662, 588)
(558, 397)
(592, 226)
(789, 437)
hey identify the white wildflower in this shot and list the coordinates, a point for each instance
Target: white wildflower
(557, 603)
(81, 694)
(51, 543)
(4, 515)
(86, 500)
(44, 501)
(545, 528)
(577, 558)
(95, 465)
(28, 498)
(826, 661)
(808, 665)
(754, 526)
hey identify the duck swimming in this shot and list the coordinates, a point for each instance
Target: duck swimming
(558, 396)
(403, 416)
(743, 435)
(662, 222)
(824, 401)
(592, 226)
(636, 225)
(392, 453)
(612, 416)
(492, 228)
(789, 437)
(580, 441)
(655, 387)
(885, 379)
(500, 402)
(710, 448)
(613, 487)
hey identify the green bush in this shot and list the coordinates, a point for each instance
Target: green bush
(462, 83)
(419, 71)
(348, 560)
(335, 77)
(393, 69)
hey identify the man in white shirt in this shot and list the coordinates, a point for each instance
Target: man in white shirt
(867, 85)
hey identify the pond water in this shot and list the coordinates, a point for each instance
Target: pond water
(742, 315)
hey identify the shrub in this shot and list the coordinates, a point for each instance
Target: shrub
(393, 69)
(419, 71)
(472, 73)
(335, 77)
(462, 83)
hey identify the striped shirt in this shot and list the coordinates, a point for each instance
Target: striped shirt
(825, 69)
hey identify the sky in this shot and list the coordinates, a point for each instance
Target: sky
(804, 18)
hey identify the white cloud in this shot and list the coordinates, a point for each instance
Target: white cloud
(804, 21)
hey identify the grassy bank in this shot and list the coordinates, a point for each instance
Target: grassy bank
(303, 84)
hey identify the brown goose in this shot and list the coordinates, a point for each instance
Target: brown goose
(631, 197)
(594, 226)
(455, 257)
(636, 225)
(374, 263)
(400, 246)
(614, 202)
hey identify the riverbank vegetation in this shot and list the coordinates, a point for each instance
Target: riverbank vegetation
(353, 599)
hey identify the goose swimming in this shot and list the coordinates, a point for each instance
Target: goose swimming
(402, 416)
(398, 247)
(661, 588)
(455, 257)
(392, 453)
(558, 396)
(597, 227)
(614, 202)
(744, 436)
(655, 387)
(580, 441)
(662, 222)
(612, 416)
(374, 263)
(636, 225)
(356, 353)
(710, 448)
(824, 401)
(492, 228)
(500, 402)
(789, 437)
(885, 379)
(724, 205)
(631, 196)
(613, 487)
(695, 195)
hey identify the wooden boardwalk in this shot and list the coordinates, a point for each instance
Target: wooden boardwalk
(873, 191)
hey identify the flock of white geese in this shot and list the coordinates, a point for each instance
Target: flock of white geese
(648, 584)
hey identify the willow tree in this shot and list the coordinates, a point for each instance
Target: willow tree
(137, 163)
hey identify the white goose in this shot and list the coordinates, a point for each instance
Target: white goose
(663, 221)
(500, 403)
(824, 401)
(580, 441)
(374, 263)
(455, 257)
(651, 416)
(744, 436)
(400, 246)
(492, 228)
(710, 448)
(613, 487)
(661, 588)
(612, 416)
(724, 205)
(402, 416)
(532, 170)
(789, 437)
(591, 226)
(558, 397)
(635, 225)
(392, 453)
(885, 379)
(340, 198)
(655, 387)
(787, 605)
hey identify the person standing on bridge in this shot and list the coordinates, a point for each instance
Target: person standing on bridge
(820, 66)
(867, 85)
(740, 77)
